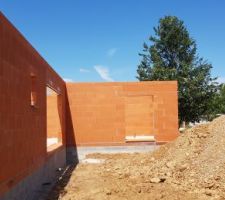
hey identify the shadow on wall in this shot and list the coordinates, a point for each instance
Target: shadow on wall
(71, 154)
(54, 130)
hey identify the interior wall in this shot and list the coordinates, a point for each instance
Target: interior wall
(104, 113)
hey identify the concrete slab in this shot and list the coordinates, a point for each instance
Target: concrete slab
(81, 152)
(92, 161)
(51, 141)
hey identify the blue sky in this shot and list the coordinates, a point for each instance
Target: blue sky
(99, 40)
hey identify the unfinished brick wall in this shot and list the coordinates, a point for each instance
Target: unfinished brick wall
(104, 113)
(90, 113)
(22, 126)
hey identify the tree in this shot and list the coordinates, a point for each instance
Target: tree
(221, 103)
(172, 56)
(220, 100)
(217, 105)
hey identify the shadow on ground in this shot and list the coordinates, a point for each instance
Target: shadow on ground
(58, 189)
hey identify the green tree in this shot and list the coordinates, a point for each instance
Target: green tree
(171, 55)
(220, 103)
(222, 100)
(217, 105)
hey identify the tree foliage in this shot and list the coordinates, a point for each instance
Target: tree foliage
(172, 55)
(217, 105)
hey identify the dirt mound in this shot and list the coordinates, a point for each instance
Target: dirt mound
(192, 167)
(195, 161)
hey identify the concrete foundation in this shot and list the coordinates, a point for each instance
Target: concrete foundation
(37, 185)
(79, 153)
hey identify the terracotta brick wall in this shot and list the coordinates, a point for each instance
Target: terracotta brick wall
(91, 113)
(104, 113)
(22, 126)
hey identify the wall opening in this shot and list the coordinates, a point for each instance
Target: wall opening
(54, 116)
(139, 118)
(33, 93)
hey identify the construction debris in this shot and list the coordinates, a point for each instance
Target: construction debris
(192, 167)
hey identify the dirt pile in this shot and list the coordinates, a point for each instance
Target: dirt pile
(192, 167)
(195, 162)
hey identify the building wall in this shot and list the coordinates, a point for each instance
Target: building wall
(104, 113)
(22, 126)
(90, 114)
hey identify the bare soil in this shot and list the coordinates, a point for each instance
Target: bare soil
(191, 167)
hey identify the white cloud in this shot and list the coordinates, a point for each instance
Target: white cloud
(111, 52)
(103, 72)
(83, 70)
(68, 80)
(221, 80)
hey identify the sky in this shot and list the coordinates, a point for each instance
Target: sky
(99, 40)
